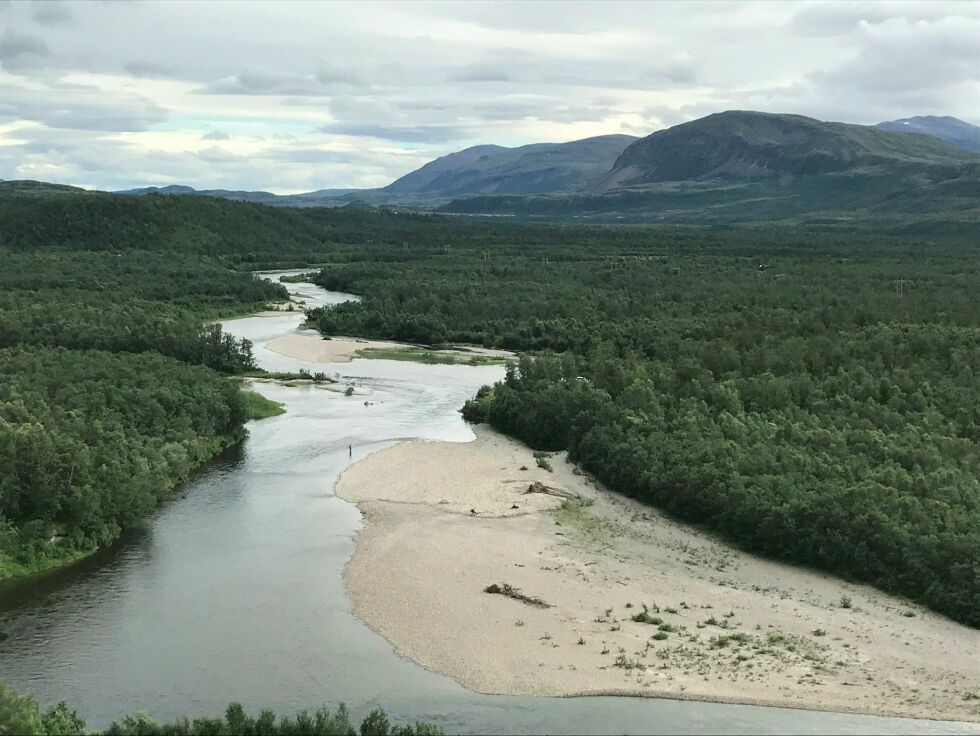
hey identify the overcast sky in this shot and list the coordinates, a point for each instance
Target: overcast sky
(295, 97)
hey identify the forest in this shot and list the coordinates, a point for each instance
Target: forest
(113, 389)
(810, 394)
(811, 397)
(21, 715)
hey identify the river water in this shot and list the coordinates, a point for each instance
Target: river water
(233, 590)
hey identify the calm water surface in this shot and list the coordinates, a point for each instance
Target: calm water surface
(233, 590)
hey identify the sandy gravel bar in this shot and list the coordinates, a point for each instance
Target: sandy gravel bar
(314, 349)
(445, 520)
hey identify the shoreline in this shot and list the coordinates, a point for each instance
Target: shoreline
(440, 526)
(59, 565)
(343, 349)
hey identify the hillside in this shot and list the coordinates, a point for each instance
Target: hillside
(531, 169)
(36, 214)
(753, 145)
(946, 128)
(746, 166)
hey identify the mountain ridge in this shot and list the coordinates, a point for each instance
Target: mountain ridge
(947, 128)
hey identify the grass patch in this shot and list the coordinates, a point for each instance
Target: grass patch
(644, 617)
(299, 278)
(259, 407)
(541, 458)
(423, 355)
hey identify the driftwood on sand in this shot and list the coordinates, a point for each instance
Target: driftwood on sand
(511, 592)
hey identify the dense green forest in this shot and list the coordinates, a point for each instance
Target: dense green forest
(814, 398)
(20, 715)
(112, 388)
(810, 394)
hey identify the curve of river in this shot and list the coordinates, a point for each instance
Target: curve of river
(233, 590)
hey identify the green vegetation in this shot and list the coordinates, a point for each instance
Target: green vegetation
(298, 278)
(424, 355)
(259, 407)
(111, 389)
(20, 715)
(811, 397)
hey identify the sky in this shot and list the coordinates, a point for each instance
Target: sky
(292, 97)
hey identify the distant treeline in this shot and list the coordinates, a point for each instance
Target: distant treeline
(21, 715)
(812, 398)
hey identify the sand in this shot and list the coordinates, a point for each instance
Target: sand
(315, 349)
(277, 310)
(441, 525)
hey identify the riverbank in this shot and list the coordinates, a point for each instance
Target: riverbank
(316, 349)
(443, 521)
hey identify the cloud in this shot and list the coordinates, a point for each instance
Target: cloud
(946, 67)
(80, 107)
(417, 134)
(149, 70)
(22, 52)
(215, 135)
(838, 19)
(52, 13)
(268, 83)
(328, 77)
(478, 73)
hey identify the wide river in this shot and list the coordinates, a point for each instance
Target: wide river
(233, 590)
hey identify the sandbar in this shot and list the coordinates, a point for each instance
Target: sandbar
(443, 521)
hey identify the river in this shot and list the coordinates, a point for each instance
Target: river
(233, 590)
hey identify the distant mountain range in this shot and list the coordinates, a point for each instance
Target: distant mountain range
(731, 166)
(946, 128)
(532, 169)
(744, 166)
(319, 198)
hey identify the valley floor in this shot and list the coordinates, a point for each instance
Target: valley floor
(445, 520)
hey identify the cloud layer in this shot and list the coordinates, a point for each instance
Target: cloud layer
(302, 96)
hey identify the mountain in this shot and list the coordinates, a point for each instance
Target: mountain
(945, 128)
(750, 166)
(531, 169)
(319, 198)
(754, 145)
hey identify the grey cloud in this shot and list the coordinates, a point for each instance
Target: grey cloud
(837, 19)
(79, 107)
(416, 134)
(218, 155)
(336, 76)
(480, 74)
(52, 13)
(939, 57)
(215, 135)
(21, 52)
(149, 70)
(670, 75)
(263, 83)
(313, 156)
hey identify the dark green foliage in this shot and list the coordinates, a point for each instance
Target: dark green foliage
(814, 399)
(90, 441)
(21, 716)
(101, 411)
